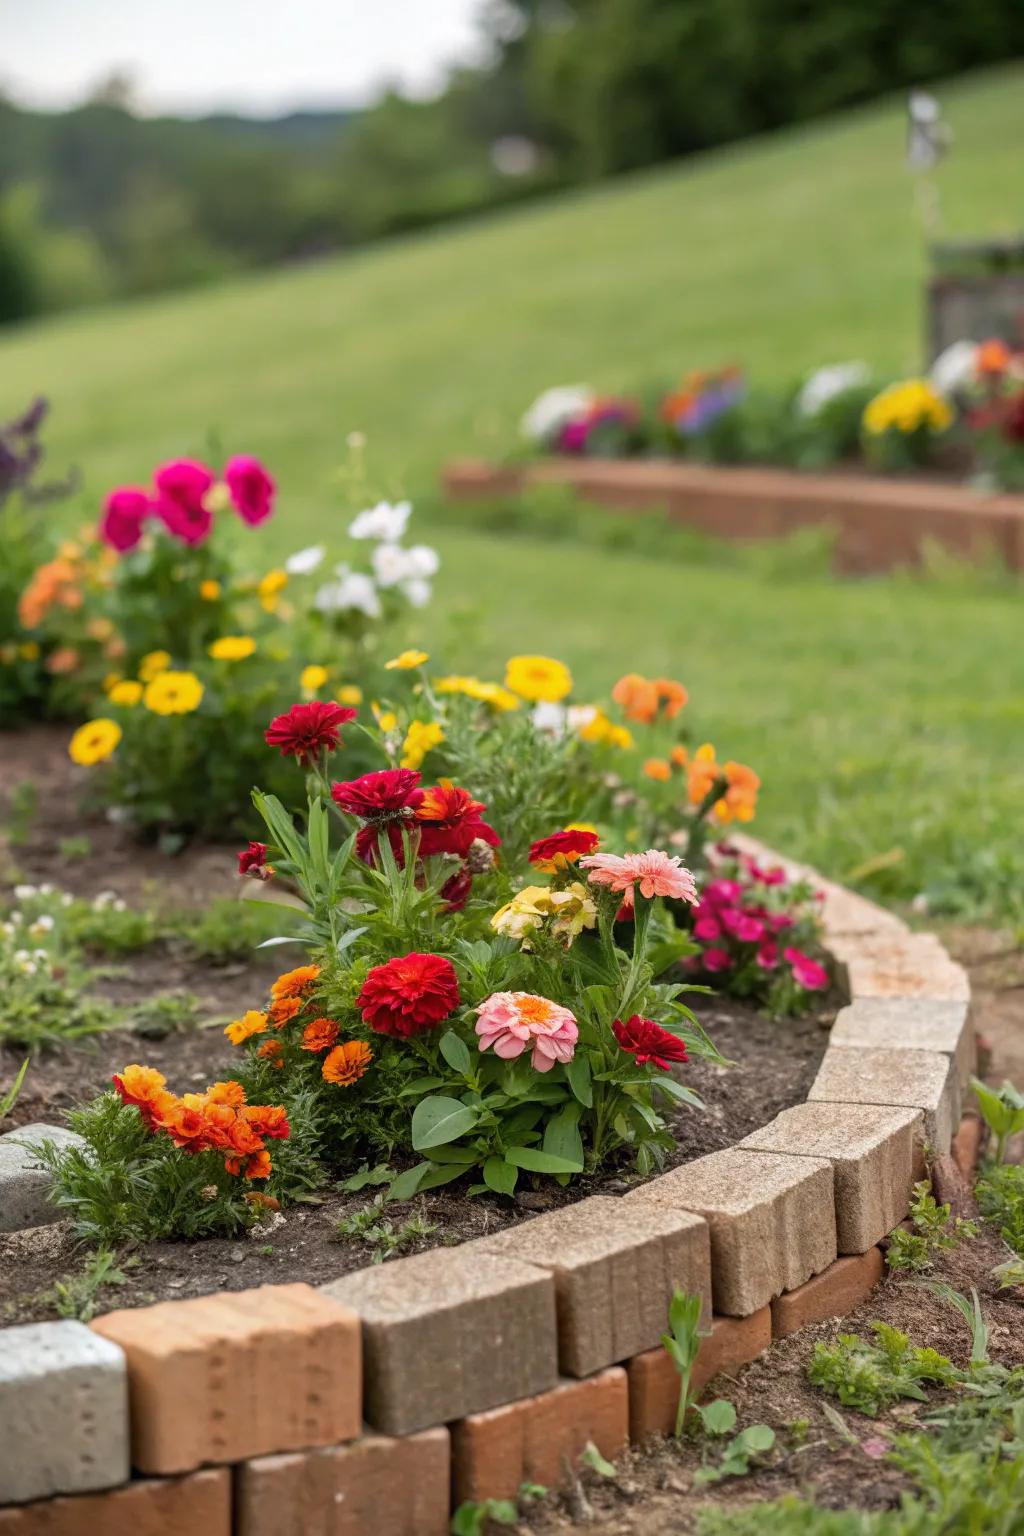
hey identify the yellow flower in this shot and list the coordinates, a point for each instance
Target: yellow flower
(350, 695)
(209, 590)
(538, 678)
(126, 693)
(419, 739)
(29, 650)
(232, 648)
(385, 718)
(94, 742)
(906, 407)
(312, 678)
(152, 665)
(486, 693)
(270, 588)
(251, 1023)
(572, 908)
(173, 693)
(407, 660)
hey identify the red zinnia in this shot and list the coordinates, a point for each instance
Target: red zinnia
(307, 729)
(647, 1041)
(562, 848)
(449, 821)
(253, 861)
(379, 796)
(409, 995)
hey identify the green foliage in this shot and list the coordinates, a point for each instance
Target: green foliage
(168, 1013)
(869, 1376)
(227, 929)
(1000, 1196)
(682, 1344)
(21, 812)
(79, 1295)
(934, 1232)
(1003, 1113)
(736, 1457)
(9, 1097)
(380, 1234)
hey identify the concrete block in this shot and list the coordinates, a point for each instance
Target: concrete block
(909, 1024)
(24, 1183)
(922, 1080)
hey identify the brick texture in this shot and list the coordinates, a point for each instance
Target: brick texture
(199, 1505)
(843, 1286)
(654, 1381)
(220, 1378)
(376, 1486)
(537, 1439)
(966, 1147)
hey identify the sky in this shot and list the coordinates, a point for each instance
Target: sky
(259, 57)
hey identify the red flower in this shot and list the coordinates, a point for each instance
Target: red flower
(449, 820)
(308, 729)
(810, 975)
(181, 487)
(253, 861)
(409, 995)
(562, 848)
(379, 796)
(647, 1041)
(251, 489)
(1013, 421)
(124, 512)
(455, 891)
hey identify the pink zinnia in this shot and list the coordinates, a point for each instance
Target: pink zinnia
(510, 1021)
(251, 489)
(123, 514)
(811, 976)
(181, 487)
(656, 873)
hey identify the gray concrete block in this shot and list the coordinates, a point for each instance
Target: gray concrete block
(63, 1412)
(909, 1023)
(924, 1080)
(24, 1184)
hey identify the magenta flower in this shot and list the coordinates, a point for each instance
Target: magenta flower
(251, 489)
(181, 488)
(716, 960)
(124, 512)
(768, 955)
(707, 928)
(811, 976)
(510, 1021)
(774, 876)
(723, 892)
(742, 926)
(657, 874)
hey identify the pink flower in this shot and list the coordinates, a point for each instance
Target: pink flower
(773, 876)
(510, 1021)
(181, 487)
(657, 874)
(811, 976)
(251, 489)
(768, 955)
(747, 929)
(722, 892)
(716, 960)
(123, 514)
(707, 928)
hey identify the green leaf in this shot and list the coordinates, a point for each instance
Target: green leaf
(441, 1174)
(578, 1073)
(438, 1120)
(535, 1161)
(593, 1458)
(500, 1176)
(754, 1440)
(718, 1417)
(456, 1053)
(420, 1085)
(562, 1137)
(367, 1175)
(407, 1183)
(678, 1091)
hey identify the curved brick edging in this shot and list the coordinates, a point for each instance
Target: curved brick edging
(880, 523)
(479, 1367)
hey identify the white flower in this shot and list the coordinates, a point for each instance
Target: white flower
(304, 560)
(24, 892)
(384, 521)
(43, 924)
(549, 718)
(824, 384)
(954, 367)
(393, 565)
(351, 590)
(46, 889)
(580, 715)
(550, 411)
(67, 900)
(416, 591)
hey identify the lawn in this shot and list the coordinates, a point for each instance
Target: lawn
(886, 717)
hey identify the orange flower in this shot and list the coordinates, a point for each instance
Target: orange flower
(144, 1087)
(680, 756)
(992, 357)
(637, 697)
(346, 1063)
(230, 1093)
(740, 799)
(658, 768)
(251, 1023)
(283, 1010)
(262, 1202)
(62, 660)
(320, 1035)
(268, 1120)
(295, 983)
(258, 1166)
(672, 695)
(272, 1051)
(704, 770)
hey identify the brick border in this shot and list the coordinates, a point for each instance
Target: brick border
(425, 1379)
(880, 523)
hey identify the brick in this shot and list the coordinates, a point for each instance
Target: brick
(872, 1152)
(909, 1023)
(538, 1439)
(922, 1080)
(199, 1505)
(900, 965)
(843, 1286)
(615, 1268)
(24, 1183)
(63, 1411)
(966, 1147)
(451, 1332)
(220, 1378)
(772, 1220)
(654, 1381)
(376, 1484)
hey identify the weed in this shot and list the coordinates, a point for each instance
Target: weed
(380, 1234)
(681, 1346)
(1003, 1113)
(167, 1013)
(1000, 1196)
(227, 929)
(735, 1461)
(382, 1173)
(869, 1376)
(9, 1097)
(77, 1296)
(934, 1232)
(70, 848)
(470, 1519)
(21, 812)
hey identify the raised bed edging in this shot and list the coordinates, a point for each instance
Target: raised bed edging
(880, 523)
(490, 1364)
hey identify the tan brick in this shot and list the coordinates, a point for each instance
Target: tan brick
(199, 1505)
(219, 1378)
(843, 1286)
(922, 1080)
(900, 965)
(451, 1332)
(772, 1220)
(908, 1023)
(374, 1485)
(966, 1146)
(615, 1269)
(872, 1152)
(538, 1438)
(654, 1381)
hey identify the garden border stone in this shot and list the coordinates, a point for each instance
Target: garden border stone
(24, 1182)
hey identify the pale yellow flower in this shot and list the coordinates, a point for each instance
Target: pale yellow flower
(270, 587)
(350, 695)
(406, 661)
(312, 678)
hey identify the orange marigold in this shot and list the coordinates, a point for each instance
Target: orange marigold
(658, 768)
(319, 1035)
(272, 1051)
(283, 1009)
(637, 697)
(295, 983)
(251, 1023)
(672, 696)
(680, 756)
(230, 1093)
(346, 1064)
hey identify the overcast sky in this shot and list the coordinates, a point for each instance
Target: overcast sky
(254, 56)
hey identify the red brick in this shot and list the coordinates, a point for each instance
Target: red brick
(220, 1378)
(966, 1145)
(377, 1485)
(654, 1381)
(833, 1293)
(199, 1505)
(533, 1440)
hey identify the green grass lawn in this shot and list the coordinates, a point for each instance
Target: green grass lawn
(887, 717)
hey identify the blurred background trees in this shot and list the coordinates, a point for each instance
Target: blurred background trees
(100, 202)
